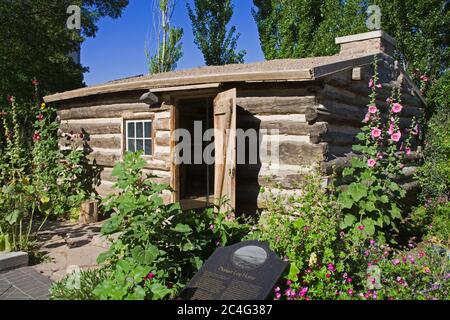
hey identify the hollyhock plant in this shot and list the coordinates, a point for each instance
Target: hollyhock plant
(376, 133)
(371, 163)
(373, 109)
(40, 117)
(397, 108)
(396, 136)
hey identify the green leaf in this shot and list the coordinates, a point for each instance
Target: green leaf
(357, 191)
(293, 272)
(348, 172)
(102, 257)
(346, 201)
(395, 212)
(370, 206)
(145, 256)
(384, 199)
(159, 291)
(182, 228)
(349, 220)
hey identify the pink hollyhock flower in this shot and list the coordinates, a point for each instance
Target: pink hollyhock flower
(396, 136)
(396, 262)
(415, 132)
(277, 296)
(373, 109)
(289, 282)
(426, 270)
(372, 242)
(371, 83)
(36, 136)
(376, 133)
(379, 86)
(424, 78)
(211, 226)
(367, 118)
(328, 275)
(391, 129)
(388, 100)
(408, 150)
(350, 291)
(277, 289)
(371, 163)
(361, 227)
(380, 155)
(349, 280)
(150, 276)
(40, 117)
(397, 108)
(331, 267)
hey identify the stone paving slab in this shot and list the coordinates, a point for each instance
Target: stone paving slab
(24, 284)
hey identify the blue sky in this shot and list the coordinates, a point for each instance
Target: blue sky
(118, 50)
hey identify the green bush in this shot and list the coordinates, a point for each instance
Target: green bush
(159, 247)
(78, 285)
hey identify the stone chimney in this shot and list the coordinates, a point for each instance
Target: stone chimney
(367, 43)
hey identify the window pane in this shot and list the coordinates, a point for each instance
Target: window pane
(130, 130)
(148, 147)
(148, 129)
(131, 145)
(139, 144)
(139, 130)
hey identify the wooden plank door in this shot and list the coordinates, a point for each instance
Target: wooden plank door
(225, 149)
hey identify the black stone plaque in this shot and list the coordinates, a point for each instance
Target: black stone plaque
(244, 271)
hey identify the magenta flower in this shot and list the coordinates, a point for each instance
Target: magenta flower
(397, 107)
(277, 289)
(331, 267)
(303, 292)
(367, 118)
(379, 86)
(373, 109)
(36, 136)
(277, 296)
(150, 276)
(380, 155)
(211, 226)
(289, 282)
(371, 163)
(376, 133)
(424, 78)
(371, 83)
(396, 262)
(40, 117)
(361, 227)
(328, 275)
(350, 291)
(408, 150)
(396, 136)
(349, 280)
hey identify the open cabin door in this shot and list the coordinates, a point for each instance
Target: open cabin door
(225, 149)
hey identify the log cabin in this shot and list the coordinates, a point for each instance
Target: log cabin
(312, 108)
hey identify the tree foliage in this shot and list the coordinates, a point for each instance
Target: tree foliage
(209, 23)
(168, 40)
(35, 43)
(304, 28)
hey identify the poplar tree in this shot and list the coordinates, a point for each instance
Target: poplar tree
(167, 38)
(209, 24)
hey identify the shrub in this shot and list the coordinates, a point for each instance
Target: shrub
(160, 247)
(78, 285)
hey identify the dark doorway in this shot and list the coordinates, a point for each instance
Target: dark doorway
(196, 180)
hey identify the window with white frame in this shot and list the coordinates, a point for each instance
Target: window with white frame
(139, 136)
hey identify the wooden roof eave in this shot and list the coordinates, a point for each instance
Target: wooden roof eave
(149, 84)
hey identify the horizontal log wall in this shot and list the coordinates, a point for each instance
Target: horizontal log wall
(100, 120)
(342, 105)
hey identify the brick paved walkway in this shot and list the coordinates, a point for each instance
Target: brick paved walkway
(24, 284)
